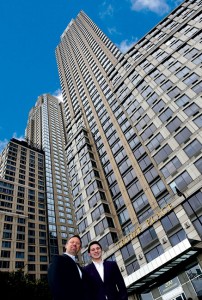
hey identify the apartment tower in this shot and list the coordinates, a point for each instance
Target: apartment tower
(23, 217)
(46, 129)
(134, 140)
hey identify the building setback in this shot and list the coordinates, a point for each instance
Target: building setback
(133, 147)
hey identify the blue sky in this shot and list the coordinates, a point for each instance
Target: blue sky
(30, 31)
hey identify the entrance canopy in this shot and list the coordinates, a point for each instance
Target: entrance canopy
(164, 267)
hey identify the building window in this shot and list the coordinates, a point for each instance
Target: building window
(177, 237)
(183, 180)
(198, 165)
(171, 167)
(174, 125)
(193, 149)
(194, 274)
(154, 253)
(183, 136)
(198, 121)
(191, 110)
(182, 100)
(148, 237)
(162, 154)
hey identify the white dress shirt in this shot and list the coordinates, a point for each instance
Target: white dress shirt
(100, 268)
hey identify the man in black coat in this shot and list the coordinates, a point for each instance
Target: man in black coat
(105, 279)
(64, 275)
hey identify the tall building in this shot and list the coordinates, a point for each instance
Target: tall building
(23, 225)
(36, 208)
(133, 147)
(46, 129)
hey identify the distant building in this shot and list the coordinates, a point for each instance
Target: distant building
(23, 219)
(134, 145)
(46, 129)
(36, 210)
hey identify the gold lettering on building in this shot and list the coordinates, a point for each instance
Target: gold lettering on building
(150, 221)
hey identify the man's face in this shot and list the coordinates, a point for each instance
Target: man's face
(95, 252)
(73, 246)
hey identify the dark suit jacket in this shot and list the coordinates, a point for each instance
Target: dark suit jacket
(113, 286)
(64, 279)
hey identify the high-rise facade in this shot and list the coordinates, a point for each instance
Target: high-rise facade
(133, 147)
(46, 129)
(23, 217)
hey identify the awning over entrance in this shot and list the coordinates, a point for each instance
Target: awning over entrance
(159, 269)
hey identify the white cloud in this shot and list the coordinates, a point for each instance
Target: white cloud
(157, 6)
(109, 10)
(58, 94)
(125, 45)
(113, 30)
(3, 144)
(21, 138)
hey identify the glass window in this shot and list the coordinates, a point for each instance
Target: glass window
(198, 165)
(166, 115)
(151, 174)
(123, 216)
(158, 188)
(155, 142)
(148, 132)
(174, 124)
(129, 177)
(140, 202)
(147, 237)
(198, 121)
(177, 237)
(158, 106)
(193, 148)
(170, 221)
(182, 101)
(191, 109)
(197, 60)
(174, 93)
(162, 154)
(197, 88)
(194, 275)
(171, 167)
(127, 252)
(132, 267)
(183, 135)
(183, 180)
(191, 79)
(154, 253)
(183, 72)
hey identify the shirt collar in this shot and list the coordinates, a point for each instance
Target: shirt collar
(100, 263)
(72, 256)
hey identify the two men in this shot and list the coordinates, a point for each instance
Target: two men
(100, 280)
(105, 277)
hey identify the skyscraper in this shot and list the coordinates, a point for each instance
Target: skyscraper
(36, 208)
(46, 129)
(134, 148)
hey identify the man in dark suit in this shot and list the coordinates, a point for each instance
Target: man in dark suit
(105, 279)
(64, 275)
